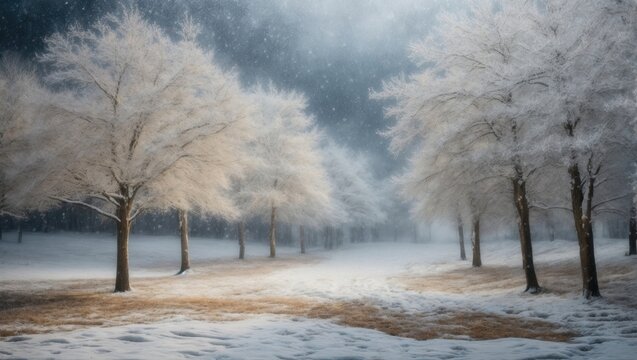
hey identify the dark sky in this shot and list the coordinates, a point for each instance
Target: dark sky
(334, 51)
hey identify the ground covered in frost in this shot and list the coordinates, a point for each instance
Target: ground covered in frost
(364, 301)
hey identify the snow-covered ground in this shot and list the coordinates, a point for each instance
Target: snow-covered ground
(377, 273)
(92, 256)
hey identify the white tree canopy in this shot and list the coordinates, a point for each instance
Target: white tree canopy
(154, 121)
(22, 129)
(357, 195)
(287, 171)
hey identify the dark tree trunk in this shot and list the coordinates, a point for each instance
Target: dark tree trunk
(122, 282)
(273, 233)
(632, 234)
(242, 239)
(524, 227)
(475, 242)
(584, 229)
(302, 238)
(183, 229)
(19, 231)
(463, 255)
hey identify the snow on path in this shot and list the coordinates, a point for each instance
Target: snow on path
(271, 337)
(366, 271)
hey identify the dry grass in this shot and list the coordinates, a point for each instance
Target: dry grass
(449, 324)
(37, 313)
(560, 279)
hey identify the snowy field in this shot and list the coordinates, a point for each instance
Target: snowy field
(342, 304)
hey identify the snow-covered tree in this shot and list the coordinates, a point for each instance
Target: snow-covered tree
(155, 123)
(451, 187)
(22, 128)
(499, 85)
(288, 182)
(585, 52)
(357, 195)
(464, 103)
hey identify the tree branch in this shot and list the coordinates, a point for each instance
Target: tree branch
(610, 200)
(92, 207)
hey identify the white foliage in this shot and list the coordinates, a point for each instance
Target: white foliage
(286, 170)
(21, 130)
(358, 196)
(154, 121)
(497, 86)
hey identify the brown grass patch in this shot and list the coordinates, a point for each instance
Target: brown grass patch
(559, 279)
(38, 313)
(445, 324)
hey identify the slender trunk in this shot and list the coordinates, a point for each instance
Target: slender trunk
(242, 239)
(122, 282)
(19, 231)
(584, 229)
(475, 242)
(632, 234)
(330, 236)
(302, 238)
(273, 233)
(524, 227)
(463, 255)
(183, 228)
(592, 286)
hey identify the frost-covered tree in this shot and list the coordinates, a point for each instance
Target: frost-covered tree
(501, 82)
(464, 103)
(154, 121)
(453, 188)
(585, 52)
(288, 182)
(22, 128)
(357, 195)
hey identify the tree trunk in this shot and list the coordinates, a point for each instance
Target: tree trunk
(475, 242)
(524, 227)
(242, 239)
(122, 282)
(463, 255)
(302, 238)
(183, 228)
(584, 229)
(632, 234)
(19, 231)
(273, 233)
